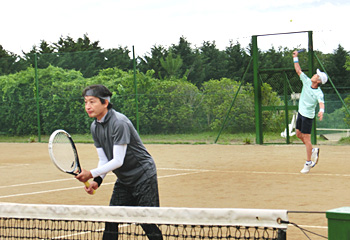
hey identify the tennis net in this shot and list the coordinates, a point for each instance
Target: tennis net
(34, 221)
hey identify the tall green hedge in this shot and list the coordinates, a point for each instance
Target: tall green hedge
(165, 106)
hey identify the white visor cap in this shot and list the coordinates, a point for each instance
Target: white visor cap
(322, 76)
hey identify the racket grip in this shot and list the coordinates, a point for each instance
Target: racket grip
(301, 50)
(87, 184)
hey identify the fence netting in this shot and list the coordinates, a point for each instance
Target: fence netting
(164, 106)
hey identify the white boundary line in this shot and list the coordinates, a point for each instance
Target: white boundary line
(307, 226)
(34, 183)
(33, 193)
(6, 165)
(257, 172)
(70, 179)
(70, 188)
(186, 172)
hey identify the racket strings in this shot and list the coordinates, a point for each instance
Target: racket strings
(64, 153)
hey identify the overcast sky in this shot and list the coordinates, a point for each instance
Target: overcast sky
(145, 23)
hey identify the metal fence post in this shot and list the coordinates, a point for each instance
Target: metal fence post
(136, 96)
(37, 95)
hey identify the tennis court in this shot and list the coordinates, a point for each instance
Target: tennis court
(198, 176)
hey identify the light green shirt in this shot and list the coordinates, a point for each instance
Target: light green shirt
(309, 97)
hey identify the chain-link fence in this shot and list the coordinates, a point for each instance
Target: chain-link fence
(165, 106)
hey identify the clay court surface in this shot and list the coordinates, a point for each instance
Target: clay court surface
(201, 176)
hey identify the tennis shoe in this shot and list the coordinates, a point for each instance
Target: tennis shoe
(307, 167)
(315, 155)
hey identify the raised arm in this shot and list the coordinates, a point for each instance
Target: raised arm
(296, 63)
(320, 113)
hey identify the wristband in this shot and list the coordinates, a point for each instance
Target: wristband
(98, 180)
(322, 110)
(296, 59)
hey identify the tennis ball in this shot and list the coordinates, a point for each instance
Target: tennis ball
(291, 20)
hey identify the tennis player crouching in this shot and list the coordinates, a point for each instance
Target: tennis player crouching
(121, 151)
(311, 94)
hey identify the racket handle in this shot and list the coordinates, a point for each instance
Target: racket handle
(301, 50)
(87, 184)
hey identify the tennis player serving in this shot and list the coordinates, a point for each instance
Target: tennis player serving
(311, 94)
(121, 151)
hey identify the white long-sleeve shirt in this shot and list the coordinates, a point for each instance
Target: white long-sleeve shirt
(105, 166)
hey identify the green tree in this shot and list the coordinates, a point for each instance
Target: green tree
(10, 62)
(117, 57)
(214, 61)
(273, 59)
(217, 99)
(335, 65)
(152, 61)
(61, 104)
(81, 55)
(192, 67)
(237, 60)
(337, 69)
(172, 107)
(82, 44)
(165, 106)
(44, 53)
(171, 65)
(347, 115)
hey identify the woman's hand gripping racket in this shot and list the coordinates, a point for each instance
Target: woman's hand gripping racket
(63, 153)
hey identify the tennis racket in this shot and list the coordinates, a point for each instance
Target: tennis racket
(64, 154)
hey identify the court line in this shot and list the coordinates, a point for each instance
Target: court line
(70, 188)
(257, 172)
(34, 183)
(185, 169)
(307, 226)
(48, 191)
(179, 174)
(188, 170)
(13, 165)
(42, 182)
(69, 179)
(33, 193)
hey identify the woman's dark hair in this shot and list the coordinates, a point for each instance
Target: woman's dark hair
(100, 91)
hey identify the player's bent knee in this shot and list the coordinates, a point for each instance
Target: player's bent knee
(299, 135)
